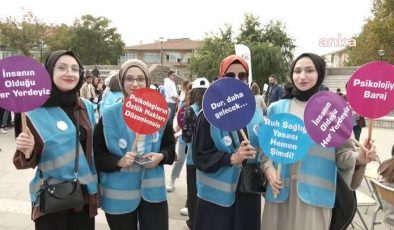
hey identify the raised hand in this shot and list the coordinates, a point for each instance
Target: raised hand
(244, 152)
(25, 143)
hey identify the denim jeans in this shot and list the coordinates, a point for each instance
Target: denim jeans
(172, 107)
(178, 164)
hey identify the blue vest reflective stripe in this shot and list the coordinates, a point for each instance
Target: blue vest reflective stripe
(316, 177)
(189, 158)
(57, 160)
(109, 99)
(220, 187)
(122, 190)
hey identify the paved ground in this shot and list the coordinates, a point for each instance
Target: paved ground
(15, 206)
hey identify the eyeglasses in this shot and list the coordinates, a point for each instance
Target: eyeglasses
(241, 75)
(64, 69)
(139, 80)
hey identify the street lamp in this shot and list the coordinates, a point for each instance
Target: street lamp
(161, 49)
(381, 53)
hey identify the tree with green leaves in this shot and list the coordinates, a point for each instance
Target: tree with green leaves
(91, 38)
(21, 37)
(95, 42)
(376, 34)
(60, 38)
(270, 46)
(206, 61)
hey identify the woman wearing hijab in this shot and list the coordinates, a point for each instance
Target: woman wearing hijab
(220, 200)
(132, 193)
(113, 94)
(299, 203)
(49, 143)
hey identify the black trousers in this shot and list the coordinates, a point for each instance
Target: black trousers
(2, 111)
(66, 220)
(150, 216)
(244, 214)
(191, 201)
(357, 132)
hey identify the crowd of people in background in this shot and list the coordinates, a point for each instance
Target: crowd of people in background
(84, 115)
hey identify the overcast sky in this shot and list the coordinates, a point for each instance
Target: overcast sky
(307, 21)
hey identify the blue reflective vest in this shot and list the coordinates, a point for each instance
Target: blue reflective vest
(57, 160)
(110, 98)
(220, 187)
(316, 177)
(121, 191)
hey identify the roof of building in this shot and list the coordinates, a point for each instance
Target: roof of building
(170, 44)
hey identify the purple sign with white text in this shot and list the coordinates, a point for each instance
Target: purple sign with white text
(24, 84)
(328, 119)
(229, 104)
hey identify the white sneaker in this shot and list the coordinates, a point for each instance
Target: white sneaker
(3, 131)
(184, 211)
(171, 186)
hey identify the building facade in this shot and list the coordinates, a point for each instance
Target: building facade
(174, 53)
(337, 58)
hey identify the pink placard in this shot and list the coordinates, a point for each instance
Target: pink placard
(370, 90)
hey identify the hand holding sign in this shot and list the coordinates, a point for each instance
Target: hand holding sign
(24, 85)
(145, 111)
(229, 104)
(284, 140)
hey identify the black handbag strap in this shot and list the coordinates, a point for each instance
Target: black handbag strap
(76, 165)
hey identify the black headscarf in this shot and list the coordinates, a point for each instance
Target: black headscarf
(58, 98)
(291, 89)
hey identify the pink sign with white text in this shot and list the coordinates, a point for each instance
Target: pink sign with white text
(370, 90)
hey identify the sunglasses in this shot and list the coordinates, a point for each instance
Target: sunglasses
(241, 76)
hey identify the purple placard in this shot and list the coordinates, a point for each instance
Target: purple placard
(370, 90)
(328, 119)
(283, 138)
(229, 104)
(24, 84)
(180, 115)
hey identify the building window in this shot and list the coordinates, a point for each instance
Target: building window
(130, 56)
(173, 57)
(151, 58)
